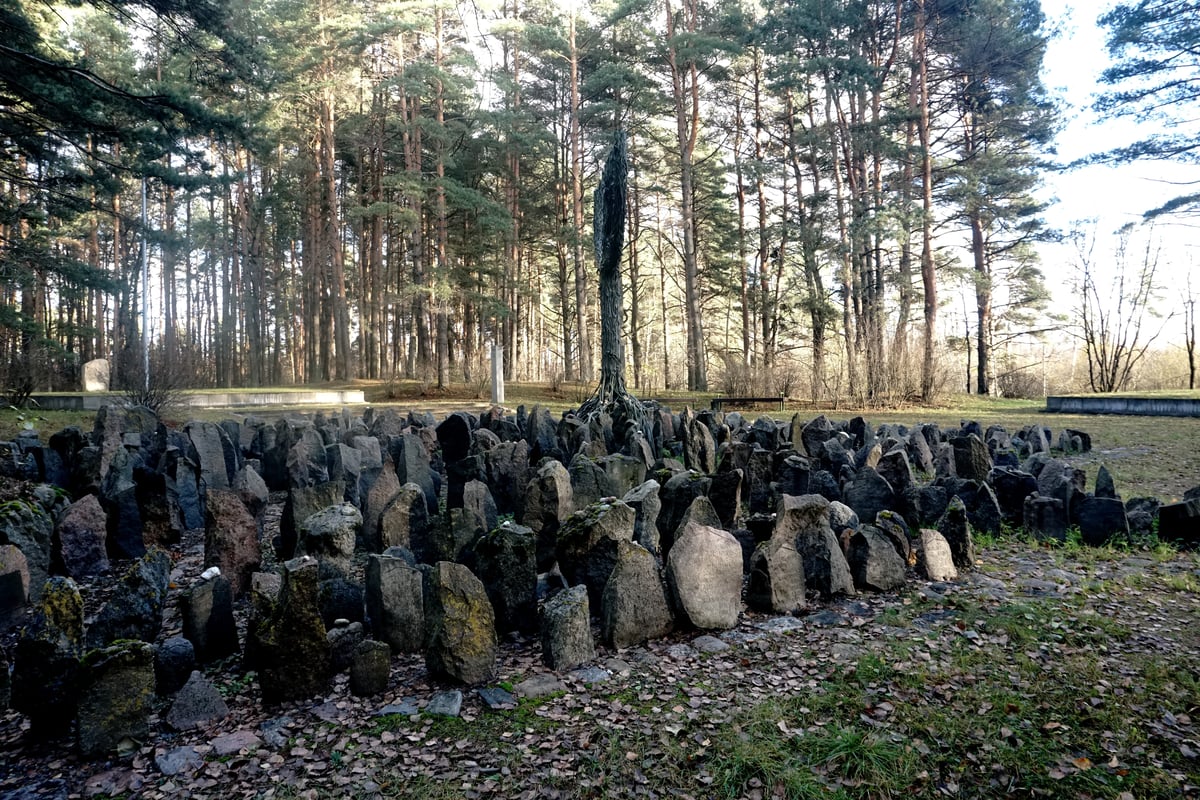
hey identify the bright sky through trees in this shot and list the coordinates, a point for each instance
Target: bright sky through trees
(1111, 195)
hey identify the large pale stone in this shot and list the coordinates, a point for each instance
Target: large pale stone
(704, 571)
(776, 576)
(805, 519)
(14, 582)
(79, 537)
(330, 535)
(548, 503)
(405, 522)
(28, 528)
(934, 559)
(231, 539)
(96, 375)
(383, 490)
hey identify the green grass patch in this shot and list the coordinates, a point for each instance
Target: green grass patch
(1028, 704)
(15, 420)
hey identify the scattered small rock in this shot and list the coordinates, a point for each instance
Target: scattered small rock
(590, 675)
(540, 685)
(445, 704)
(405, 708)
(179, 760)
(497, 699)
(709, 644)
(233, 743)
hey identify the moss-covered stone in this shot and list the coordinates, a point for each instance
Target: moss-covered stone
(117, 696)
(506, 562)
(291, 650)
(28, 528)
(461, 642)
(46, 668)
(135, 610)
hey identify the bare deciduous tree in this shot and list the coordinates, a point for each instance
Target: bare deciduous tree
(1116, 319)
(1189, 331)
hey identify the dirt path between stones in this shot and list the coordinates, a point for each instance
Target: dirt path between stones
(1051, 673)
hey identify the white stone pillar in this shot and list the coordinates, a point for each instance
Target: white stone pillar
(497, 375)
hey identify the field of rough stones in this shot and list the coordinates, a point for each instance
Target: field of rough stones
(521, 605)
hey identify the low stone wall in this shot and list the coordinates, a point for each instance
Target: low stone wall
(1136, 406)
(93, 401)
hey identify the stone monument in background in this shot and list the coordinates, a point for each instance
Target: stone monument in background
(96, 375)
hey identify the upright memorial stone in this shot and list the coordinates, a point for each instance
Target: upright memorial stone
(96, 375)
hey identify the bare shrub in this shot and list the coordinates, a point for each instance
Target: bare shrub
(391, 387)
(481, 385)
(785, 378)
(737, 378)
(18, 380)
(43, 366)
(163, 391)
(1022, 384)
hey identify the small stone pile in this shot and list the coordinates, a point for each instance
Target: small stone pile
(403, 534)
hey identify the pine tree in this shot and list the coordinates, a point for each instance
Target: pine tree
(1155, 45)
(993, 83)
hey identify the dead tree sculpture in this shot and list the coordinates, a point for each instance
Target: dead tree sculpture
(608, 230)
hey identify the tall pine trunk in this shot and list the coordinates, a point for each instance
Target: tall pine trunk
(586, 371)
(928, 276)
(768, 306)
(740, 197)
(635, 289)
(439, 212)
(686, 94)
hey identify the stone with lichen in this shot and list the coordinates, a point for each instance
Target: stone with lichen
(45, 678)
(566, 630)
(634, 607)
(461, 628)
(290, 646)
(116, 697)
(587, 544)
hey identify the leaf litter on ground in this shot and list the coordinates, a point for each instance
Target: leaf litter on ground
(999, 686)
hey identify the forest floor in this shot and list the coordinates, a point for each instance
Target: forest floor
(1058, 673)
